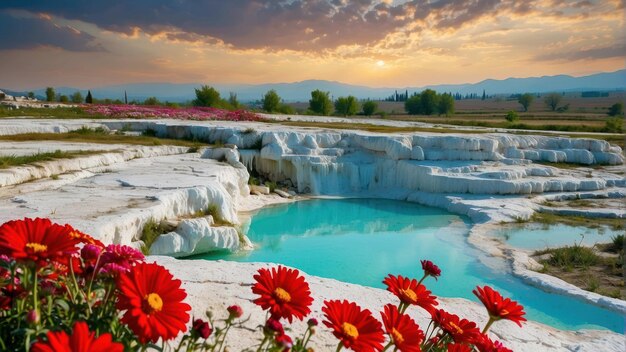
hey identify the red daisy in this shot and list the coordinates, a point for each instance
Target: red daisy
(152, 299)
(484, 344)
(355, 328)
(410, 292)
(404, 332)
(499, 307)
(430, 269)
(36, 240)
(461, 330)
(459, 347)
(81, 340)
(283, 292)
(85, 238)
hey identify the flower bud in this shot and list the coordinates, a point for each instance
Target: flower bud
(33, 317)
(235, 311)
(201, 328)
(274, 326)
(284, 341)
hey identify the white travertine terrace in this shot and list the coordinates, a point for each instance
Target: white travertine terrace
(489, 177)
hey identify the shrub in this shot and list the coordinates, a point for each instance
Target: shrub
(152, 229)
(207, 96)
(346, 106)
(271, 101)
(320, 103)
(614, 124)
(512, 116)
(369, 107)
(573, 256)
(616, 109)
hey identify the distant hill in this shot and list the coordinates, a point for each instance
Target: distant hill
(301, 91)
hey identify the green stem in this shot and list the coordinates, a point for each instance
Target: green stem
(339, 346)
(35, 295)
(262, 343)
(388, 345)
(491, 321)
(422, 279)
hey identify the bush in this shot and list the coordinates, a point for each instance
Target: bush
(286, 109)
(207, 96)
(512, 116)
(271, 101)
(614, 124)
(64, 98)
(573, 256)
(346, 106)
(616, 109)
(320, 103)
(151, 101)
(369, 107)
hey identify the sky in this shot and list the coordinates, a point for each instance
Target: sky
(88, 44)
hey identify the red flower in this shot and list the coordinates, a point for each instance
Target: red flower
(410, 292)
(201, 328)
(284, 341)
(85, 238)
(274, 326)
(404, 332)
(37, 240)
(459, 347)
(152, 299)
(283, 292)
(461, 330)
(485, 344)
(355, 328)
(430, 269)
(498, 307)
(81, 340)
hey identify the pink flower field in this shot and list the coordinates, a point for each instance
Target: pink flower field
(188, 113)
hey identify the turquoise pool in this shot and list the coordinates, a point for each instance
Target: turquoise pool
(362, 240)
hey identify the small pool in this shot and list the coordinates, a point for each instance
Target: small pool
(362, 240)
(540, 236)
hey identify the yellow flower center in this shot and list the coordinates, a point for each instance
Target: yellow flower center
(282, 295)
(409, 294)
(154, 301)
(350, 331)
(37, 247)
(456, 327)
(397, 336)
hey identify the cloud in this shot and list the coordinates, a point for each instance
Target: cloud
(607, 52)
(310, 25)
(33, 32)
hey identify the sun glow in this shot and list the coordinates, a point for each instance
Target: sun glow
(380, 63)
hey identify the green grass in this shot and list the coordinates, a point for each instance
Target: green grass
(272, 185)
(152, 229)
(14, 160)
(549, 219)
(86, 135)
(218, 220)
(617, 243)
(52, 113)
(570, 257)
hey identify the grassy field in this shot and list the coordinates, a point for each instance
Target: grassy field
(86, 135)
(8, 161)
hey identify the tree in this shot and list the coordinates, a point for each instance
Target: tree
(369, 107)
(151, 101)
(89, 98)
(31, 95)
(207, 96)
(64, 99)
(446, 104)
(616, 109)
(484, 95)
(413, 105)
(511, 116)
(320, 103)
(346, 106)
(232, 100)
(50, 94)
(525, 99)
(271, 101)
(552, 100)
(77, 98)
(429, 100)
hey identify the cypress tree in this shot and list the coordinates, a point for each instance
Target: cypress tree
(89, 98)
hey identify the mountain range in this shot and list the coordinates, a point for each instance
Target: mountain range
(301, 91)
